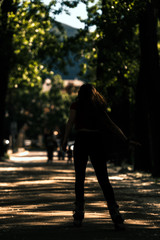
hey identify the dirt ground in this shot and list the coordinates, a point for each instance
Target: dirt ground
(36, 201)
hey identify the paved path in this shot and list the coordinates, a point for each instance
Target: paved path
(36, 202)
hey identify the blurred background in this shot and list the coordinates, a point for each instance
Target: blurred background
(48, 49)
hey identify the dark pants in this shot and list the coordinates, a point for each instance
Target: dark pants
(91, 144)
(50, 153)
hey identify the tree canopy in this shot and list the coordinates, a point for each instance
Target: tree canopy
(119, 46)
(36, 46)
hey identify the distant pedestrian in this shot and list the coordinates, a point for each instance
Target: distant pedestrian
(69, 154)
(89, 116)
(50, 143)
(61, 154)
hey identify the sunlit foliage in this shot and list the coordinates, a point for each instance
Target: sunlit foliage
(113, 45)
(38, 49)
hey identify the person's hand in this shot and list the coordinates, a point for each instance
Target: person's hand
(64, 145)
(134, 143)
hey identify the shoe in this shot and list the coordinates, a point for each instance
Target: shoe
(49, 161)
(77, 222)
(119, 226)
(116, 217)
(78, 214)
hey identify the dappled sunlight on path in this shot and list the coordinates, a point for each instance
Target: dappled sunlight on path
(37, 198)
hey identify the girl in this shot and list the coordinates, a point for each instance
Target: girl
(88, 115)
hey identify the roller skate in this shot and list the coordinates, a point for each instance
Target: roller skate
(78, 214)
(116, 217)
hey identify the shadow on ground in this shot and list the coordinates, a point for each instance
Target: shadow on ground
(36, 202)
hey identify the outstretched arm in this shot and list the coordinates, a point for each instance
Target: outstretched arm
(69, 127)
(117, 131)
(111, 126)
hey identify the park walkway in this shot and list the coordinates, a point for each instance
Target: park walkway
(36, 202)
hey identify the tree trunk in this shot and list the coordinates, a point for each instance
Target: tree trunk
(147, 115)
(5, 53)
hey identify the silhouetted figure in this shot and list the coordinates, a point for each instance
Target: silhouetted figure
(89, 116)
(61, 154)
(69, 154)
(50, 143)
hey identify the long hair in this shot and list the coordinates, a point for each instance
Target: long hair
(88, 96)
(90, 106)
